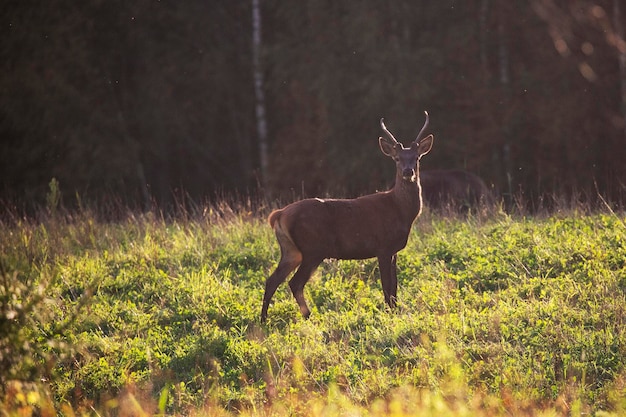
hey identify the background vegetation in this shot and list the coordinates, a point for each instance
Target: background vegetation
(507, 315)
(148, 101)
(154, 309)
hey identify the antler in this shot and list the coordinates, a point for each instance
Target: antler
(419, 135)
(382, 124)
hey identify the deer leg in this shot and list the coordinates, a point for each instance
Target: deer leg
(289, 261)
(388, 278)
(299, 279)
(394, 281)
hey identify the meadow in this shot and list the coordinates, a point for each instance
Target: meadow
(152, 315)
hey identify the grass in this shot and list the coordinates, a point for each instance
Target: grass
(498, 316)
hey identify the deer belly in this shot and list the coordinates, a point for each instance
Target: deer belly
(354, 253)
(365, 246)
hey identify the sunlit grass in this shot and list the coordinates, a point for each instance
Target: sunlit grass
(497, 316)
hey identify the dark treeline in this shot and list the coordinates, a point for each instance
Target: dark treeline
(143, 100)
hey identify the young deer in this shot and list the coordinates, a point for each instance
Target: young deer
(456, 190)
(375, 225)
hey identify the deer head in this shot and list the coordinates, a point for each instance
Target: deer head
(406, 159)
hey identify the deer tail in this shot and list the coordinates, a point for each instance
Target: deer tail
(277, 221)
(274, 216)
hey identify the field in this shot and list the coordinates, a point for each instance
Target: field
(497, 316)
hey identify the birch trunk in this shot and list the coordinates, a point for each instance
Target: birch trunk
(261, 120)
(504, 77)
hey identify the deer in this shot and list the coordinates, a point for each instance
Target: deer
(371, 226)
(455, 189)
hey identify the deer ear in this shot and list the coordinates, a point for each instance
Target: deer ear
(386, 147)
(425, 145)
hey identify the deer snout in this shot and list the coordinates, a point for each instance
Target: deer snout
(408, 174)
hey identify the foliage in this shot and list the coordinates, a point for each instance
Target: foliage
(497, 316)
(144, 99)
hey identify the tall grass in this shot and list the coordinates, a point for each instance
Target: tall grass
(497, 316)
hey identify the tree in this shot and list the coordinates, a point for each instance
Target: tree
(258, 89)
(146, 101)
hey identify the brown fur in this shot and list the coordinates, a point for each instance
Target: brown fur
(273, 217)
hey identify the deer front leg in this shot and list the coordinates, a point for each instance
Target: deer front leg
(388, 278)
(394, 279)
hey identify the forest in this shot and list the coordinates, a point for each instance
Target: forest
(153, 102)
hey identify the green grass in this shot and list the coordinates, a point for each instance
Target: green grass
(498, 316)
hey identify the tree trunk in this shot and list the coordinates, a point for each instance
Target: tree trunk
(504, 78)
(621, 56)
(258, 90)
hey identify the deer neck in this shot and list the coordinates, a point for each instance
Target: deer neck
(408, 197)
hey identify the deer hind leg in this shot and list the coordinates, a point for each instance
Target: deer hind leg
(299, 279)
(388, 278)
(290, 258)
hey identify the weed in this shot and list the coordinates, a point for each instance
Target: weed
(496, 316)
